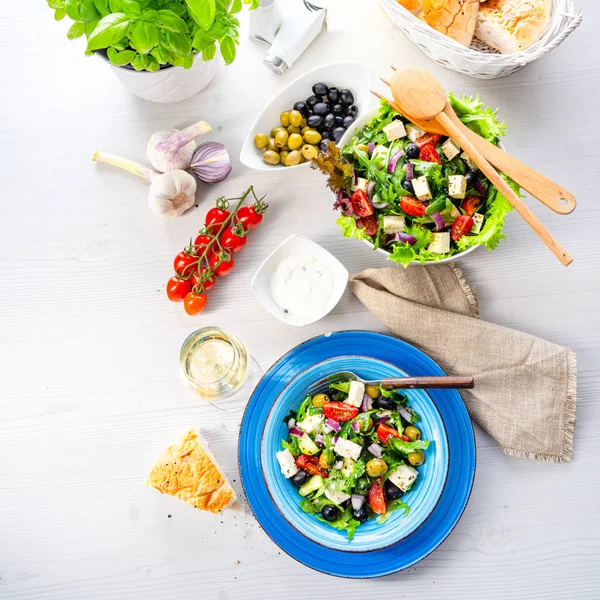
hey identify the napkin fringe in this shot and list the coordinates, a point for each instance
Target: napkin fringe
(467, 290)
(569, 417)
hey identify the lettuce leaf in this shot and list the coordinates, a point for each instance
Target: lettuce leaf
(404, 253)
(407, 447)
(478, 117)
(345, 522)
(292, 445)
(350, 229)
(391, 507)
(342, 386)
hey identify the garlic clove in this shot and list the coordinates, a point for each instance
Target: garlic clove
(171, 194)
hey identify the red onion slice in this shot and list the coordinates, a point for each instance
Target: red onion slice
(405, 413)
(291, 423)
(410, 171)
(367, 403)
(334, 425)
(319, 439)
(370, 189)
(404, 237)
(379, 420)
(479, 186)
(379, 205)
(376, 450)
(357, 501)
(211, 162)
(440, 224)
(296, 432)
(343, 203)
(338, 465)
(334, 439)
(394, 161)
(371, 149)
(356, 427)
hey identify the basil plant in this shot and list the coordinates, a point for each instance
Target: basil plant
(147, 34)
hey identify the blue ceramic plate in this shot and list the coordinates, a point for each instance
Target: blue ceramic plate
(423, 495)
(461, 453)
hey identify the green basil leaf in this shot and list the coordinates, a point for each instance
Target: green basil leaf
(222, 5)
(122, 45)
(60, 14)
(88, 12)
(120, 58)
(182, 61)
(161, 54)
(72, 7)
(143, 37)
(139, 62)
(203, 12)
(152, 65)
(76, 30)
(178, 43)
(55, 4)
(228, 50)
(116, 5)
(203, 40)
(102, 7)
(110, 30)
(89, 28)
(209, 53)
(132, 8)
(236, 7)
(168, 20)
(179, 9)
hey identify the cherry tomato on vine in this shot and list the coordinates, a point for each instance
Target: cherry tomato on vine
(249, 217)
(462, 226)
(178, 288)
(232, 241)
(428, 153)
(223, 269)
(360, 204)
(183, 263)
(413, 207)
(215, 217)
(197, 279)
(339, 411)
(202, 242)
(194, 303)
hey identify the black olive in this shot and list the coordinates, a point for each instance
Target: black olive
(412, 151)
(324, 144)
(345, 503)
(338, 132)
(384, 403)
(339, 121)
(352, 111)
(300, 478)
(301, 106)
(311, 101)
(320, 89)
(326, 133)
(329, 513)
(320, 108)
(392, 491)
(338, 109)
(314, 121)
(346, 97)
(408, 186)
(362, 514)
(348, 121)
(329, 121)
(471, 177)
(333, 95)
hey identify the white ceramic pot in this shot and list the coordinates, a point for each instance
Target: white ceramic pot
(170, 84)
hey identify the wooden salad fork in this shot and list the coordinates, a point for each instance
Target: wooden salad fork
(419, 94)
(540, 187)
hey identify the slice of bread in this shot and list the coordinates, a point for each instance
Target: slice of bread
(455, 18)
(189, 471)
(510, 26)
(413, 5)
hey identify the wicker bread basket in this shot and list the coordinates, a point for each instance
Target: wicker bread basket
(480, 60)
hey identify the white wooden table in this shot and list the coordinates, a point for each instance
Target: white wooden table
(90, 393)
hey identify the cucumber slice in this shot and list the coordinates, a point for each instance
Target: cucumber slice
(312, 485)
(307, 445)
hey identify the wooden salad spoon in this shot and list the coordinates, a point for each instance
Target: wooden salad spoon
(545, 190)
(421, 95)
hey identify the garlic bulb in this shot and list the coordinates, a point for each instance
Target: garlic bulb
(170, 195)
(172, 149)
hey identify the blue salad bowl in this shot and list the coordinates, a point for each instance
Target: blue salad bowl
(423, 496)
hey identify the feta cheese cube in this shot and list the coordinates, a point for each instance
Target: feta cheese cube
(413, 132)
(311, 424)
(468, 160)
(403, 477)
(347, 449)
(356, 393)
(380, 155)
(287, 463)
(457, 186)
(347, 467)
(394, 131)
(450, 217)
(477, 222)
(421, 188)
(450, 148)
(335, 495)
(394, 224)
(361, 184)
(440, 243)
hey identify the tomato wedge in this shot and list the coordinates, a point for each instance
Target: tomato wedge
(369, 224)
(428, 138)
(377, 498)
(430, 154)
(462, 226)
(339, 411)
(360, 204)
(310, 464)
(385, 432)
(413, 207)
(471, 204)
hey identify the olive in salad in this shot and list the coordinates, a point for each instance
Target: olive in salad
(352, 453)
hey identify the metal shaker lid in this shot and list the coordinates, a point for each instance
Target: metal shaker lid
(275, 63)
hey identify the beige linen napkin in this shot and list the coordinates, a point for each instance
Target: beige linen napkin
(525, 387)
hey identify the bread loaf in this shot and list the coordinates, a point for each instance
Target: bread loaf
(455, 18)
(413, 5)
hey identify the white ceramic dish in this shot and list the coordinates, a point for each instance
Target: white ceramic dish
(359, 124)
(297, 245)
(350, 75)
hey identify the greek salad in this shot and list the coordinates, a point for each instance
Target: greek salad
(352, 453)
(416, 195)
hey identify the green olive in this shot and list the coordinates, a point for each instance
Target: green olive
(304, 129)
(373, 391)
(309, 152)
(275, 130)
(376, 467)
(303, 124)
(295, 141)
(319, 400)
(365, 426)
(323, 462)
(416, 458)
(312, 137)
(412, 433)
(261, 140)
(283, 155)
(284, 118)
(271, 157)
(295, 118)
(302, 159)
(281, 139)
(291, 129)
(293, 158)
(271, 145)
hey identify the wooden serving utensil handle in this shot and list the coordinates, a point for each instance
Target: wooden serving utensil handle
(448, 119)
(428, 383)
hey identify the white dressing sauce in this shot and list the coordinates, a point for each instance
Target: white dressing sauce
(302, 285)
